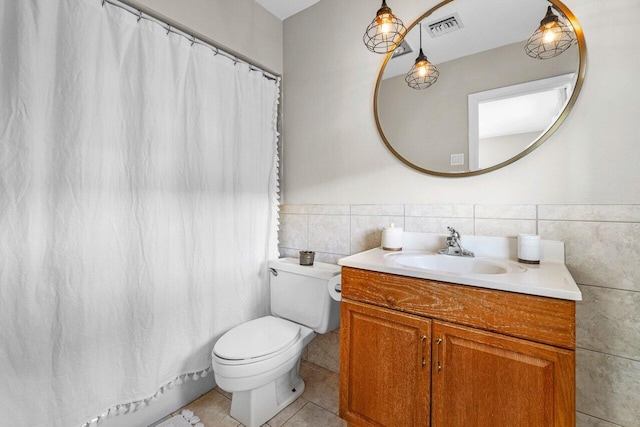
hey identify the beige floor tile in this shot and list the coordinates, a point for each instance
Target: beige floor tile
(283, 416)
(324, 351)
(222, 392)
(312, 415)
(321, 392)
(213, 410)
(321, 386)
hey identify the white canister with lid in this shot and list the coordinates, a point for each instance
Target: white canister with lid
(392, 238)
(529, 248)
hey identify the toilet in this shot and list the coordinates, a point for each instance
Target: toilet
(258, 361)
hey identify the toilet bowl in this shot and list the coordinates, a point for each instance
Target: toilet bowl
(258, 361)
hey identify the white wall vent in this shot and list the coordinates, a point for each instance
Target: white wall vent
(444, 26)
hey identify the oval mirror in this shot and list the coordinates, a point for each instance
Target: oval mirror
(492, 103)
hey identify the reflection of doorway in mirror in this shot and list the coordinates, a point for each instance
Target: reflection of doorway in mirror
(503, 122)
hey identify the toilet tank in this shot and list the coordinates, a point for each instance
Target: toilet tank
(300, 293)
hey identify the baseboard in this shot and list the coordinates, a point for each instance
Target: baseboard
(170, 401)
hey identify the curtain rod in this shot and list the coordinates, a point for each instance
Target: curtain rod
(143, 12)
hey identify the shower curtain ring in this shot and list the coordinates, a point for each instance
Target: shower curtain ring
(103, 1)
(168, 29)
(193, 41)
(139, 15)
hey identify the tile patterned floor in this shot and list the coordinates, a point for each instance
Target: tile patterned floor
(317, 407)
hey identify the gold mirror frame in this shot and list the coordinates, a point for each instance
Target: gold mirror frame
(582, 49)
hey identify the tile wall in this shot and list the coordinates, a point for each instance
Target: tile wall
(602, 244)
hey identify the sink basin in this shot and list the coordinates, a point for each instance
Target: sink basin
(493, 267)
(455, 264)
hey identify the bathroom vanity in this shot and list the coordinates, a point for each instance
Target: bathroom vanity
(424, 347)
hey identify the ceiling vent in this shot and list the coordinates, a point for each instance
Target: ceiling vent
(444, 26)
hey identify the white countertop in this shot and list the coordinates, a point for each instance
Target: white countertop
(550, 278)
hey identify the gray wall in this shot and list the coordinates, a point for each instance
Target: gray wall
(242, 26)
(333, 153)
(499, 148)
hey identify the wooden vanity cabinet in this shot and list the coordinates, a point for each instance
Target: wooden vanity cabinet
(486, 379)
(495, 359)
(388, 366)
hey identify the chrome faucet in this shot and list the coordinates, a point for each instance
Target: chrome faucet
(454, 247)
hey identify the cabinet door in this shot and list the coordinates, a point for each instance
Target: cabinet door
(384, 366)
(485, 379)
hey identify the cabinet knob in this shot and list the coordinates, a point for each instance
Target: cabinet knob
(391, 301)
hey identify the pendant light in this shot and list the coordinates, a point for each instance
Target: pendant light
(553, 37)
(385, 32)
(423, 74)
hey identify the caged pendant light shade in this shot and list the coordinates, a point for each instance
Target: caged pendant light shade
(385, 32)
(423, 74)
(554, 36)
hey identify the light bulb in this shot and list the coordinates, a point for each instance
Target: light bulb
(422, 70)
(551, 34)
(384, 22)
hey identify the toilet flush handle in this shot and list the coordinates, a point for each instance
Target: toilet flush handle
(274, 271)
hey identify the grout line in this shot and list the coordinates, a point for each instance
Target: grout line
(294, 414)
(307, 234)
(404, 220)
(608, 287)
(317, 252)
(590, 221)
(217, 391)
(608, 354)
(350, 230)
(474, 218)
(598, 418)
(321, 407)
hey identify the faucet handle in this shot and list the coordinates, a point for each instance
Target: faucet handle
(453, 232)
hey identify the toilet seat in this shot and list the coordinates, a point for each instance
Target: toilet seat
(256, 340)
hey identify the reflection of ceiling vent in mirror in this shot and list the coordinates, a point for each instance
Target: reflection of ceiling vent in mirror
(403, 49)
(443, 26)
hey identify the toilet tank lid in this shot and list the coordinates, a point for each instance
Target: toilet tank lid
(320, 270)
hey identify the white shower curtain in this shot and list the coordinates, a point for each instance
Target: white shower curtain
(138, 208)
